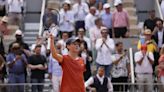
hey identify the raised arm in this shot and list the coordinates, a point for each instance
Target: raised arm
(55, 55)
(118, 60)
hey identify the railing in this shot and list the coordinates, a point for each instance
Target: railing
(27, 87)
(133, 87)
(131, 65)
(41, 17)
(126, 87)
(158, 9)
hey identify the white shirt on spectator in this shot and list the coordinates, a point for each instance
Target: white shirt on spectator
(89, 21)
(94, 34)
(104, 53)
(66, 23)
(80, 11)
(15, 6)
(90, 81)
(145, 67)
(160, 38)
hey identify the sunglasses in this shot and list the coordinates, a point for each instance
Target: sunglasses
(16, 48)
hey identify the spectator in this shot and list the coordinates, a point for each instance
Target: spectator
(150, 23)
(16, 62)
(90, 18)
(82, 37)
(19, 39)
(144, 61)
(158, 34)
(100, 82)
(39, 41)
(120, 20)
(121, 68)
(81, 10)
(49, 15)
(2, 7)
(100, 8)
(55, 73)
(151, 44)
(87, 57)
(37, 64)
(3, 26)
(72, 66)
(104, 47)
(106, 17)
(95, 32)
(62, 43)
(66, 23)
(15, 11)
(24, 46)
(161, 69)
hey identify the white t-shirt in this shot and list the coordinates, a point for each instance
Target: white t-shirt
(80, 11)
(15, 5)
(145, 67)
(66, 23)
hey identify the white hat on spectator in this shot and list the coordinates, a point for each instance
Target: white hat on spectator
(18, 32)
(117, 2)
(67, 2)
(106, 5)
(5, 19)
(147, 32)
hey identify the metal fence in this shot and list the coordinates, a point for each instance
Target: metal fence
(131, 87)
(27, 87)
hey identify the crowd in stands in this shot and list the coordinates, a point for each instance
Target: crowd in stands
(12, 12)
(95, 26)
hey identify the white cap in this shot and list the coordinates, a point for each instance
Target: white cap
(5, 19)
(18, 32)
(67, 2)
(106, 5)
(117, 2)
